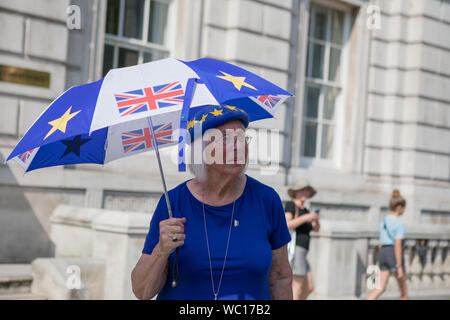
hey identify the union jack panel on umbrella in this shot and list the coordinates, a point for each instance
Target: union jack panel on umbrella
(268, 100)
(151, 98)
(24, 156)
(141, 139)
(133, 137)
(24, 159)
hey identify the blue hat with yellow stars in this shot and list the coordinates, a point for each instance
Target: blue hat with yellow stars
(213, 116)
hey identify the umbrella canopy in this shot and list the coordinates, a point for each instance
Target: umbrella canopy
(111, 118)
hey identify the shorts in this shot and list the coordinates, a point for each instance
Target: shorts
(300, 265)
(386, 259)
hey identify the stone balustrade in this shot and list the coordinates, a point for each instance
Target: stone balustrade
(342, 252)
(427, 264)
(107, 244)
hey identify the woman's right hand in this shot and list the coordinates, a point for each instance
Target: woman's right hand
(169, 228)
(310, 217)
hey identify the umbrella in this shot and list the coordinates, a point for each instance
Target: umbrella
(137, 109)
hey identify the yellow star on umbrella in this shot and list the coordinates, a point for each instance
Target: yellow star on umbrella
(61, 123)
(238, 82)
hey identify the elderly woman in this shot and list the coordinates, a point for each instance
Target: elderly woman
(230, 228)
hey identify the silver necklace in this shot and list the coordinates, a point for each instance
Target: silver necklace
(209, 252)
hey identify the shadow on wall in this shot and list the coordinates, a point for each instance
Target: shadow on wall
(22, 236)
(360, 275)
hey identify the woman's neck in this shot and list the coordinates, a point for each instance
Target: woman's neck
(220, 187)
(394, 214)
(299, 203)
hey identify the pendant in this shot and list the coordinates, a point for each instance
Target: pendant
(215, 296)
(236, 223)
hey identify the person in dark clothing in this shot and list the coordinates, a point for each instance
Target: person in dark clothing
(299, 218)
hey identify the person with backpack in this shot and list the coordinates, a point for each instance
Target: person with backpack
(390, 257)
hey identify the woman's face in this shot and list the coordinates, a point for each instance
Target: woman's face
(302, 194)
(227, 149)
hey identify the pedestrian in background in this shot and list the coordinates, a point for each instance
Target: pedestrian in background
(299, 218)
(390, 257)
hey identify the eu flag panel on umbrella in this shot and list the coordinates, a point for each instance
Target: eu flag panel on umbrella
(232, 85)
(109, 119)
(69, 115)
(103, 145)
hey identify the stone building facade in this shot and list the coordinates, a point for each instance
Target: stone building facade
(371, 113)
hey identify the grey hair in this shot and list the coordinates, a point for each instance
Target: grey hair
(197, 169)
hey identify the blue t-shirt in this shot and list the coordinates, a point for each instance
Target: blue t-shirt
(261, 228)
(395, 230)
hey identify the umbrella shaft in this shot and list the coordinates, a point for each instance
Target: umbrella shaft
(169, 208)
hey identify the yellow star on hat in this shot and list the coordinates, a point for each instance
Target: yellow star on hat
(231, 108)
(238, 82)
(61, 123)
(203, 118)
(191, 124)
(216, 112)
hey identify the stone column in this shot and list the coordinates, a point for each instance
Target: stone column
(69, 223)
(439, 265)
(118, 240)
(415, 268)
(446, 265)
(428, 272)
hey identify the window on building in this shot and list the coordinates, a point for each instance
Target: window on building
(135, 32)
(323, 81)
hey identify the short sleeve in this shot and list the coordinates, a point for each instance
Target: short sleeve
(279, 235)
(400, 231)
(152, 237)
(289, 207)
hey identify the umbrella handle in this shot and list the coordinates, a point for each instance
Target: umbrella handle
(175, 272)
(155, 145)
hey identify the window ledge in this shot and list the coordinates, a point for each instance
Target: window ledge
(308, 162)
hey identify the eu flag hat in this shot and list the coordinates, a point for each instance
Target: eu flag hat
(209, 116)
